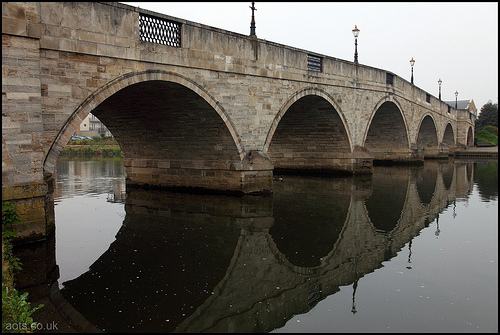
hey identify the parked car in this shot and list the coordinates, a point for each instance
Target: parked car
(77, 138)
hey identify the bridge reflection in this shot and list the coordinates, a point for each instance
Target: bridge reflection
(205, 263)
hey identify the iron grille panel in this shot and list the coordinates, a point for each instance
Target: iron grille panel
(314, 63)
(157, 30)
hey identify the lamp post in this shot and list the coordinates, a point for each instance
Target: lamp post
(456, 99)
(355, 32)
(439, 83)
(412, 62)
(252, 23)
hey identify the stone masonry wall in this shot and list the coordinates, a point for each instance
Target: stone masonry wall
(61, 60)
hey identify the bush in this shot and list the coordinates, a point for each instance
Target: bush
(487, 134)
(16, 311)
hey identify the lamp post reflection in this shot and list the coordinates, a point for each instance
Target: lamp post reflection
(409, 255)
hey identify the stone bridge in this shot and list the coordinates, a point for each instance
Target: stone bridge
(251, 274)
(194, 106)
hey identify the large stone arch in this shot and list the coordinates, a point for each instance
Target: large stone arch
(387, 135)
(105, 92)
(449, 135)
(427, 137)
(309, 133)
(427, 131)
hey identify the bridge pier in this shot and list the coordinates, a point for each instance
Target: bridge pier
(360, 161)
(253, 175)
(34, 203)
(414, 155)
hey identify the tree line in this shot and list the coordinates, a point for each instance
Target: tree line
(487, 124)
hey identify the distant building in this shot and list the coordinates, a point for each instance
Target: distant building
(92, 126)
(466, 106)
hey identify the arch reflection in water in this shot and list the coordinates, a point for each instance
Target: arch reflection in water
(205, 263)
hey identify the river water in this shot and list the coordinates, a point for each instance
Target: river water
(408, 249)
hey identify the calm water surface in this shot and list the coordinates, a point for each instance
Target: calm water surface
(409, 249)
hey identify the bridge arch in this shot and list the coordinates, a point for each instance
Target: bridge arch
(120, 84)
(470, 137)
(387, 135)
(427, 132)
(427, 136)
(449, 136)
(308, 133)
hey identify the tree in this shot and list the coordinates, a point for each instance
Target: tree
(488, 116)
(487, 124)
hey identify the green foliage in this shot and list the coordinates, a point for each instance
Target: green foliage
(97, 147)
(487, 124)
(16, 311)
(487, 134)
(91, 151)
(488, 116)
(9, 220)
(9, 216)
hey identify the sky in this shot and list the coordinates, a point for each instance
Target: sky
(456, 42)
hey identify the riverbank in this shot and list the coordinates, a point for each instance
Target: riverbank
(91, 151)
(58, 316)
(478, 152)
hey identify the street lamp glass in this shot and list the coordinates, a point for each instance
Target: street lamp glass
(440, 81)
(412, 62)
(355, 31)
(456, 93)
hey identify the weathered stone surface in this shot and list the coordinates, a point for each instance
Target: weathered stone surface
(198, 110)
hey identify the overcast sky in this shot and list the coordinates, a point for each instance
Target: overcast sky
(455, 42)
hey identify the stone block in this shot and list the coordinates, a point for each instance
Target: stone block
(34, 30)
(14, 26)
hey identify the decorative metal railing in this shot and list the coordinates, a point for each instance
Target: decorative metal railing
(158, 30)
(314, 63)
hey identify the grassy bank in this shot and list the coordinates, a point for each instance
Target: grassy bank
(91, 151)
(95, 148)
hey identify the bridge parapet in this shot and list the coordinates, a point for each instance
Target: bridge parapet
(115, 31)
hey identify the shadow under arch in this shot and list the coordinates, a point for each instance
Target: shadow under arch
(427, 131)
(448, 175)
(426, 179)
(449, 135)
(387, 134)
(389, 197)
(427, 136)
(127, 80)
(309, 133)
(157, 266)
(470, 137)
(310, 214)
